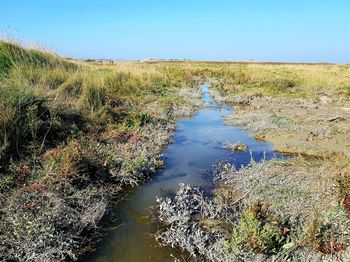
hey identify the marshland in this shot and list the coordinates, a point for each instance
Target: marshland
(172, 160)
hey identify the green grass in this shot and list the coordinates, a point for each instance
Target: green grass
(35, 85)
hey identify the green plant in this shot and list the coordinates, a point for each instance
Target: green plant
(283, 83)
(143, 119)
(259, 232)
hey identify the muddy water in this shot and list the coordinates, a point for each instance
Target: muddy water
(197, 145)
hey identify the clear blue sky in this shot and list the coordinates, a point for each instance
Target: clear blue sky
(265, 30)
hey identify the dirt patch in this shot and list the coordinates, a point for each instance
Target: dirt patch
(294, 126)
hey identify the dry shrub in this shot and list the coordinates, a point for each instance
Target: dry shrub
(69, 160)
(44, 225)
(270, 208)
(181, 215)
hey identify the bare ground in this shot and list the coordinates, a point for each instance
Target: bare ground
(315, 128)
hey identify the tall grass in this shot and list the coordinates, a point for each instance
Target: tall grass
(36, 85)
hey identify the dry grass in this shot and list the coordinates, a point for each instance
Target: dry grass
(293, 81)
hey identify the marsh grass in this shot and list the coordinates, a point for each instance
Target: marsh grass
(72, 134)
(31, 78)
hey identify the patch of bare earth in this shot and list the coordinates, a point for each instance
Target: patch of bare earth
(315, 128)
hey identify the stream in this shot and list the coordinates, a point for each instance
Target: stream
(197, 145)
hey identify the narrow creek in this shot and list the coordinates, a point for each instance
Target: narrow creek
(197, 145)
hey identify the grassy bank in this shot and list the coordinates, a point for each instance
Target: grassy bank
(73, 135)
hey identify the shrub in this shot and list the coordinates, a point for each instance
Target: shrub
(68, 160)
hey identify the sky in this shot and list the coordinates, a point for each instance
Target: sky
(260, 30)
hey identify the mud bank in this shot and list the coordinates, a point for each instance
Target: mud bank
(315, 128)
(270, 211)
